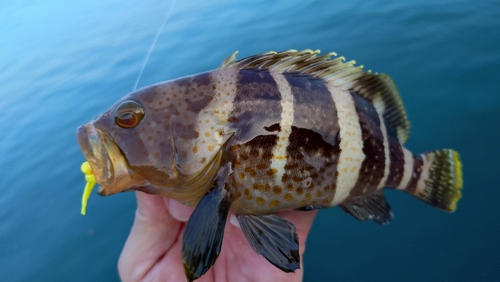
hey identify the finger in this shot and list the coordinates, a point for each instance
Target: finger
(179, 211)
(153, 233)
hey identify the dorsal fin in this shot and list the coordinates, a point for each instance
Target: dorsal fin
(376, 88)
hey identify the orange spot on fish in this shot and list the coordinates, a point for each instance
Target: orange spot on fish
(250, 171)
(288, 197)
(261, 166)
(260, 201)
(277, 190)
(210, 148)
(308, 196)
(274, 203)
(272, 172)
(207, 134)
(261, 187)
(195, 149)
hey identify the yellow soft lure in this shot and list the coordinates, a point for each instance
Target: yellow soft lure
(90, 178)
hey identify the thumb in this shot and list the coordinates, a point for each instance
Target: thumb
(153, 233)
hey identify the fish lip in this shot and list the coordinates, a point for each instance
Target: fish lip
(108, 164)
(93, 145)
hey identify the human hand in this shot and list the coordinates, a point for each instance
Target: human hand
(153, 249)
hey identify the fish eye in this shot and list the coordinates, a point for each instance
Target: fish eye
(128, 114)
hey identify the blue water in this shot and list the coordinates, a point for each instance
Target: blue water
(64, 62)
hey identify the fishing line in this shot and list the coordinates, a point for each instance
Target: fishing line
(153, 45)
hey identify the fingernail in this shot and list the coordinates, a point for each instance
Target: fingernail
(234, 221)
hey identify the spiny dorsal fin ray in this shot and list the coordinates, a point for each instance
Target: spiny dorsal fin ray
(377, 88)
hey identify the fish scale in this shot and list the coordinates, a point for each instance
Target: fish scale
(271, 132)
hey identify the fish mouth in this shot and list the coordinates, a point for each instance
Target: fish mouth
(108, 165)
(94, 150)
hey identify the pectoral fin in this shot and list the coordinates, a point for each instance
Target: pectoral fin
(202, 238)
(372, 206)
(274, 238)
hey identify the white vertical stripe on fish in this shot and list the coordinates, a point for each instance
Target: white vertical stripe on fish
(424, 175)
(351, 143)
(213, 119)
(226, 82)
(386, 152)
(407, 170)
(279, 158)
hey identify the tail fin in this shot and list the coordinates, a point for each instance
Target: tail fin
(444, 180)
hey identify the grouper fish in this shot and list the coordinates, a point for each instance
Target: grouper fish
(270, 132)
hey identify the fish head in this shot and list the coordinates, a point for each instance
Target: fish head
(150, 140)
(130, 145)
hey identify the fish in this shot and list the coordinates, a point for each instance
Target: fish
(290, 130)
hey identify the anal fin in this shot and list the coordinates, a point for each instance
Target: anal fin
(274, 238)
(202, 238)
(371, 206)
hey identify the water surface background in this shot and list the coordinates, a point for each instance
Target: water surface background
(64, 62)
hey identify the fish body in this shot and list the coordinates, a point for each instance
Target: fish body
(271, 132)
